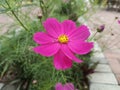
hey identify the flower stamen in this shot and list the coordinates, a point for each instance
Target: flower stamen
(63, 38)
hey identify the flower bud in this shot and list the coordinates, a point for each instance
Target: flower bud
(73, 17)
(116, 17)
(34, 81)
(39, 16)
(101, 28)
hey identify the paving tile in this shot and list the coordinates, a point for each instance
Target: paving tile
(1, 85)
(103, 68)
(97, 51)
(9, 87)
(103, 78)
(99, 57)
(97, 47)
(104, 87)
(115, 65)
(112, 55)
(118, 78)
(5, 19)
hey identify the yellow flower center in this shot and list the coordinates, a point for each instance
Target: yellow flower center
(63, 38)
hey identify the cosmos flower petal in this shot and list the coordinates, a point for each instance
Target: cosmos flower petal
(62, 62)
(81, 33)
(69, 86)
(42, 38)
(118, 21)
(68, 26)
(47, 49)
(53, 27)
(80, 47)
(59, 86)
(69, 54)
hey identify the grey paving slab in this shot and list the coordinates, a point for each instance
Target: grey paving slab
(99, 57)
(103, 68)
(1, 85)
(103, 78)
(104, 87)
(97, 47)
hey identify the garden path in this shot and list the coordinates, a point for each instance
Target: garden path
(5, 21)
(109, 40)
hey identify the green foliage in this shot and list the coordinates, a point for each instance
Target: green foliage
(73, 9)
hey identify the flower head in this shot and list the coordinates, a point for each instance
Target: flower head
(62, 40)
(67, 86)
(39, 16)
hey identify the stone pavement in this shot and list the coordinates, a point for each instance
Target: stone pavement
(5, 22)
(106, 77)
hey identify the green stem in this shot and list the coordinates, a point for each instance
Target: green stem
(112, 25)
(63, 77)
(41, 22)
(93, 36)
(12, 11)
(43, 8)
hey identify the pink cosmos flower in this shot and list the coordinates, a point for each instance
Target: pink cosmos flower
(67, 86)
(62, 40)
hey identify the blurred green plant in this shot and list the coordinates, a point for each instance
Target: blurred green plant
(73, 9)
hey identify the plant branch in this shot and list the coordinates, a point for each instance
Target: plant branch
(12, 11)
(43, 8)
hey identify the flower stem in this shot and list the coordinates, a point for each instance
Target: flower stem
(43, 8)
(112, 25)
(63, 77)
(12, 11)
(93, 36)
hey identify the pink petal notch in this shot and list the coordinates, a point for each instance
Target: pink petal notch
(68, 26)
(69, 54)
(62, 62)
(53, 27)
